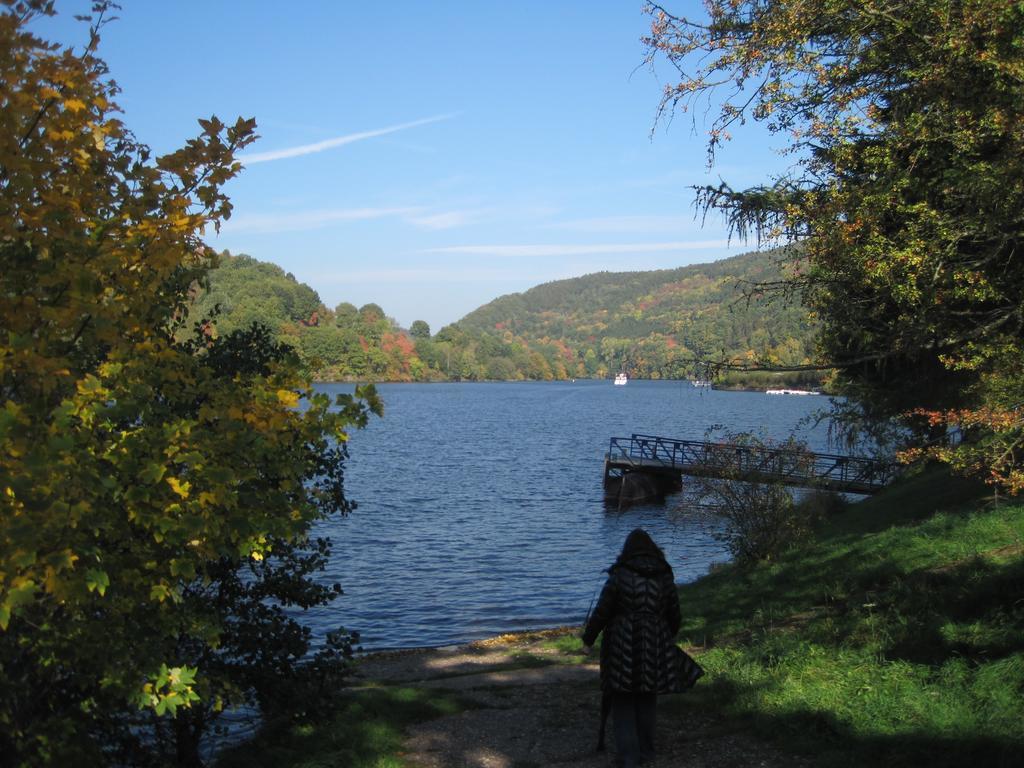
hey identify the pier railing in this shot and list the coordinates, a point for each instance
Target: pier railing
(649, 453)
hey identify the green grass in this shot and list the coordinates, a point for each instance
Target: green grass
(569, 646)
(894, 637)
(897, 635)
(366, 731)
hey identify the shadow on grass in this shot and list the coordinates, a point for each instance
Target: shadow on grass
(365, 731)
(896, 637)
(824, 740)
(973, 611)
(881, 547)
(910, 499)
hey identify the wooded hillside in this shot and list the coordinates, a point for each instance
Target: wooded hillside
(658, 324)
(654, 324)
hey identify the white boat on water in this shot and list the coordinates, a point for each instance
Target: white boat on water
(790, 392)
(621, 379)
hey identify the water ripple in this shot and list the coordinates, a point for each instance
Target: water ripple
(481, 508)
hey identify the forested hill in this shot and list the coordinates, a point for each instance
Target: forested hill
(651, 324)
(339, 344)
(648, 324)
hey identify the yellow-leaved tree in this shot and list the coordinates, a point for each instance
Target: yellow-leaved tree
(156, 495)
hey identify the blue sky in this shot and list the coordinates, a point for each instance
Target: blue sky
(431, 156)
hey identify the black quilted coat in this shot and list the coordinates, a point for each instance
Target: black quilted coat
(639, 614)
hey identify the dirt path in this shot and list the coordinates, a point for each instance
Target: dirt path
(532, 706)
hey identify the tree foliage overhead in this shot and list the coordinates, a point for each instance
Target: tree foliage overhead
(904, 119)
(142, 469)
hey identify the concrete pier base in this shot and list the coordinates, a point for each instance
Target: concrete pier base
(634, 487)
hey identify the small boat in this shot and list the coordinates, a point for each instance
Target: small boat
(790, 392)
(700, 382)
(621, 379)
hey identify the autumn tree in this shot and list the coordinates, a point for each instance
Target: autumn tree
(141, 469)
(904, 122)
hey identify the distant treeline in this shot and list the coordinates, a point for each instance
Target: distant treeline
(659, 324)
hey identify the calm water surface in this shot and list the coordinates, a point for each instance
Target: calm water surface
(481, 508)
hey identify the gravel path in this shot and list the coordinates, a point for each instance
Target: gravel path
(532, 706)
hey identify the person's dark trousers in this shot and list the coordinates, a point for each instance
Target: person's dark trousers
(633, 718)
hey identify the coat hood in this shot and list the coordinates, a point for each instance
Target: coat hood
(644, 563)
(641, 555)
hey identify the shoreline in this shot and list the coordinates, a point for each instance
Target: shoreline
(523, 637)
(716, 387)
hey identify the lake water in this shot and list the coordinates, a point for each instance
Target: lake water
(481, 508)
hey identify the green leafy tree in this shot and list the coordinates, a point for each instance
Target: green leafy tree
(137, 468)
(326, 344)
(245, 291)
(371, 313)
(905, 196)
(430, 354)
(419, 329)
(500, 369)
(346, 315)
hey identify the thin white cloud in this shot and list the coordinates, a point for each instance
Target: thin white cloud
(264, 223)
(438, 220)
(648, 223)
(447, 220)
(320, 146)
(577, 250)
(395, 276)
(303, 220)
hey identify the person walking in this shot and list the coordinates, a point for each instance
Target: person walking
(638, 611)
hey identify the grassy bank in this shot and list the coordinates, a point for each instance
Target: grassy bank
(897, 636)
